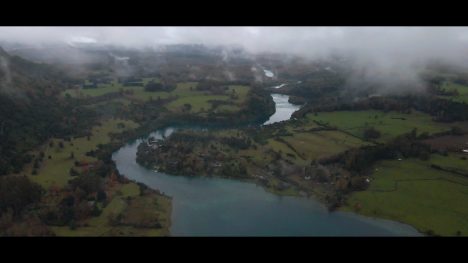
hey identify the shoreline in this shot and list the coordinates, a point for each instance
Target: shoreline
(265, 188)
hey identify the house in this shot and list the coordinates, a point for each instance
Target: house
(217, 164)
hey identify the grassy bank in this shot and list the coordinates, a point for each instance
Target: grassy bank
(128, 210)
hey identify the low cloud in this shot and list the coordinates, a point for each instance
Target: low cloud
(382, 54)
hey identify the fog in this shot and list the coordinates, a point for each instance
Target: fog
(381, 54)
(378, 42)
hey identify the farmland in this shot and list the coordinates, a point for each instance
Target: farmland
(55, 170)
(412, 191)
(390, 124)
(125, 199)
(184, 94)
(134, 209)
(131, 92)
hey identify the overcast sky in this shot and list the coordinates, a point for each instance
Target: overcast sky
(385, 51)
(307, 40)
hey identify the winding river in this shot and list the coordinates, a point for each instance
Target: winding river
(223, 207)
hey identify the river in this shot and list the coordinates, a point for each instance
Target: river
(223, 207)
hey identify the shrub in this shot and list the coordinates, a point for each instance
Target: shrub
(371, 133)
(17, 192)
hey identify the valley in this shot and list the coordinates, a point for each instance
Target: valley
(162, 142)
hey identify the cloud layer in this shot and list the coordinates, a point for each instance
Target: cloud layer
(277, 39)
(381, 52)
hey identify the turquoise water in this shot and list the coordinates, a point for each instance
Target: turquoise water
(223, 207)
(284, 109)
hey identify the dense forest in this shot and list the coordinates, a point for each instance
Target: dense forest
(31, 110)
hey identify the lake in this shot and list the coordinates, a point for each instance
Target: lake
(223, 207)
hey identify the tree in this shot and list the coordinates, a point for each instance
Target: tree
(36, 164)
(455, 130)
(88, 183)
(18, 192)
(73, 172)
(359, 183)
(371, 133)
(72, 225)
(154, 86)
(101, 195)
(187, 107)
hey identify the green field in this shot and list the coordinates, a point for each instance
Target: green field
(125, 200)
(55, 171)
(314, 145)
(127, 203)
(390, 124)
(461, 89)
(301, 145)
(199, 103)
(412, 192)
(137, 92)
(185, 92)
(200, 100)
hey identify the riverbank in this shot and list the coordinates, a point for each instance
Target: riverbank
(211, 206)
(277, 157)
(429, 189)
(84, 195)
(191, 193)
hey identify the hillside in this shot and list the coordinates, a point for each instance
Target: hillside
(30, 110)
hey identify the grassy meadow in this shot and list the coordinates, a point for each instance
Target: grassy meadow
(55, 171)
(125, 200)
(410, 191)
(133, 208)
(185, 93)
(389, 124)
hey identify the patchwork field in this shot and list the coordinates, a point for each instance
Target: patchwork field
(55, 171)
(299, 144)
(389, 124)
(315, 145)
(185, 93)
(200, 101)
(135, 92)
(411, 191)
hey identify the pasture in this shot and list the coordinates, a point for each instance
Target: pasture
(411, 191)
(55, 171)
(390, 124)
